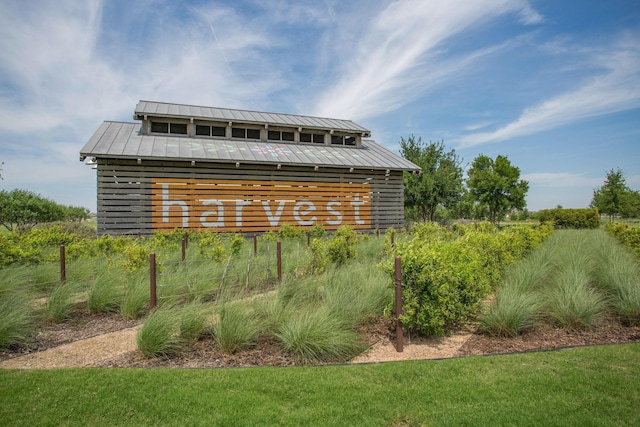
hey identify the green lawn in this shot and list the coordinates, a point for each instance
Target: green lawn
(596, 386)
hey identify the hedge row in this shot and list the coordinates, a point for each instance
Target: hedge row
(571, 218)
(447, 272)
(625, 234)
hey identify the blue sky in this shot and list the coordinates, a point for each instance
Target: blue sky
(552, 85)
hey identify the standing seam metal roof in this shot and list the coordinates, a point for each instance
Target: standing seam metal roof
(126, 140)
(245, 116)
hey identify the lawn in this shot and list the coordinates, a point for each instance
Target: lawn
(585, 386)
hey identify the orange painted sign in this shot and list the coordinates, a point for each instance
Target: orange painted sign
(240, 205)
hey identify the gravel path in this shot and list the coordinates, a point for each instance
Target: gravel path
(78, 354)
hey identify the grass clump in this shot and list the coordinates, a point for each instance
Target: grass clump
(193, 323)
(105, 294)
(511, 313)
(159, 335)
(135, 299)
(17, 319)
(319, 336)
(60, 303)
(235, 330)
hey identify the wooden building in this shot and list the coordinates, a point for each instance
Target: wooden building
(241, 171)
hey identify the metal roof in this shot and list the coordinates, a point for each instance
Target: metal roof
(163, 109)
(126, 140)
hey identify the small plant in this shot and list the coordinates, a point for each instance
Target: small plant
(512, 312)
(105, 294)
(193, 323)
(60, 303)
(17, 325)
(135, 299)
(318, 335)
(159, 335)
(289, 232)
(317, 231)
(235, 330)
(573, 304)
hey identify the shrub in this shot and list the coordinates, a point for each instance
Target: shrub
(571, 218)
(289, 232)
(626, 235)
(317, 231)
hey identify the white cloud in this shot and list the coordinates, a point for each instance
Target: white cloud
(617, 89)
(396, 58)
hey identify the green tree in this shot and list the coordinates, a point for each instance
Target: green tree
(497, 185)
(22, 209)
(440, 182)
(76, 213)
(614, 197)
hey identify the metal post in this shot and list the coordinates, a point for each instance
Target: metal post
(279, 260)
(398, 305)
(308, 238)
(393, 240)
(184, 249)
(152, 281)
(255, 244)
(63, 264)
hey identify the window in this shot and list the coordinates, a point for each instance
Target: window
(204, 130)
(317, 138)
(343, 140)
(159, 127)
(245, 133)
(276, 135)
(173, 128)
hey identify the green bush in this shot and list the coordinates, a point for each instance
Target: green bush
(625, 234)
(446, 274)
(571, 218)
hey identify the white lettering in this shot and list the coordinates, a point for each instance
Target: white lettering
(356, 203)
(239, 205)
(274, 219)
(337, 214)
(297, 213)
(220, 212)
(166, 206)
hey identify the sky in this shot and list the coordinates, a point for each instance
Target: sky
(552, 85)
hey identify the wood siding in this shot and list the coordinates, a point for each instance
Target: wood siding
(162, 195)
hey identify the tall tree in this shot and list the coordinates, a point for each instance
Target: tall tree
(614, 197)
(497, 184)
(440, 182)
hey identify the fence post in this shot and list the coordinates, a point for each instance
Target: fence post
(393, 240)
(308, 238)
(184, 249)
(152, 281)
(398, 305)
(255, 244)
(279, 260)
(63, 264)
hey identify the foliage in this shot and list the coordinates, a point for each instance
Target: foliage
(159, 335)
(625, 234)
(23, 209)
(105, 294)
(570, 218)
(60, 304)
(317, 231)
(447, 273)
(319, 256)
(289, 232)
(235, 330)
(615, 197)
(319, 335)
(497, 184)
(135, 298)
(17, 318)
(341, 248)
(439, 183)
